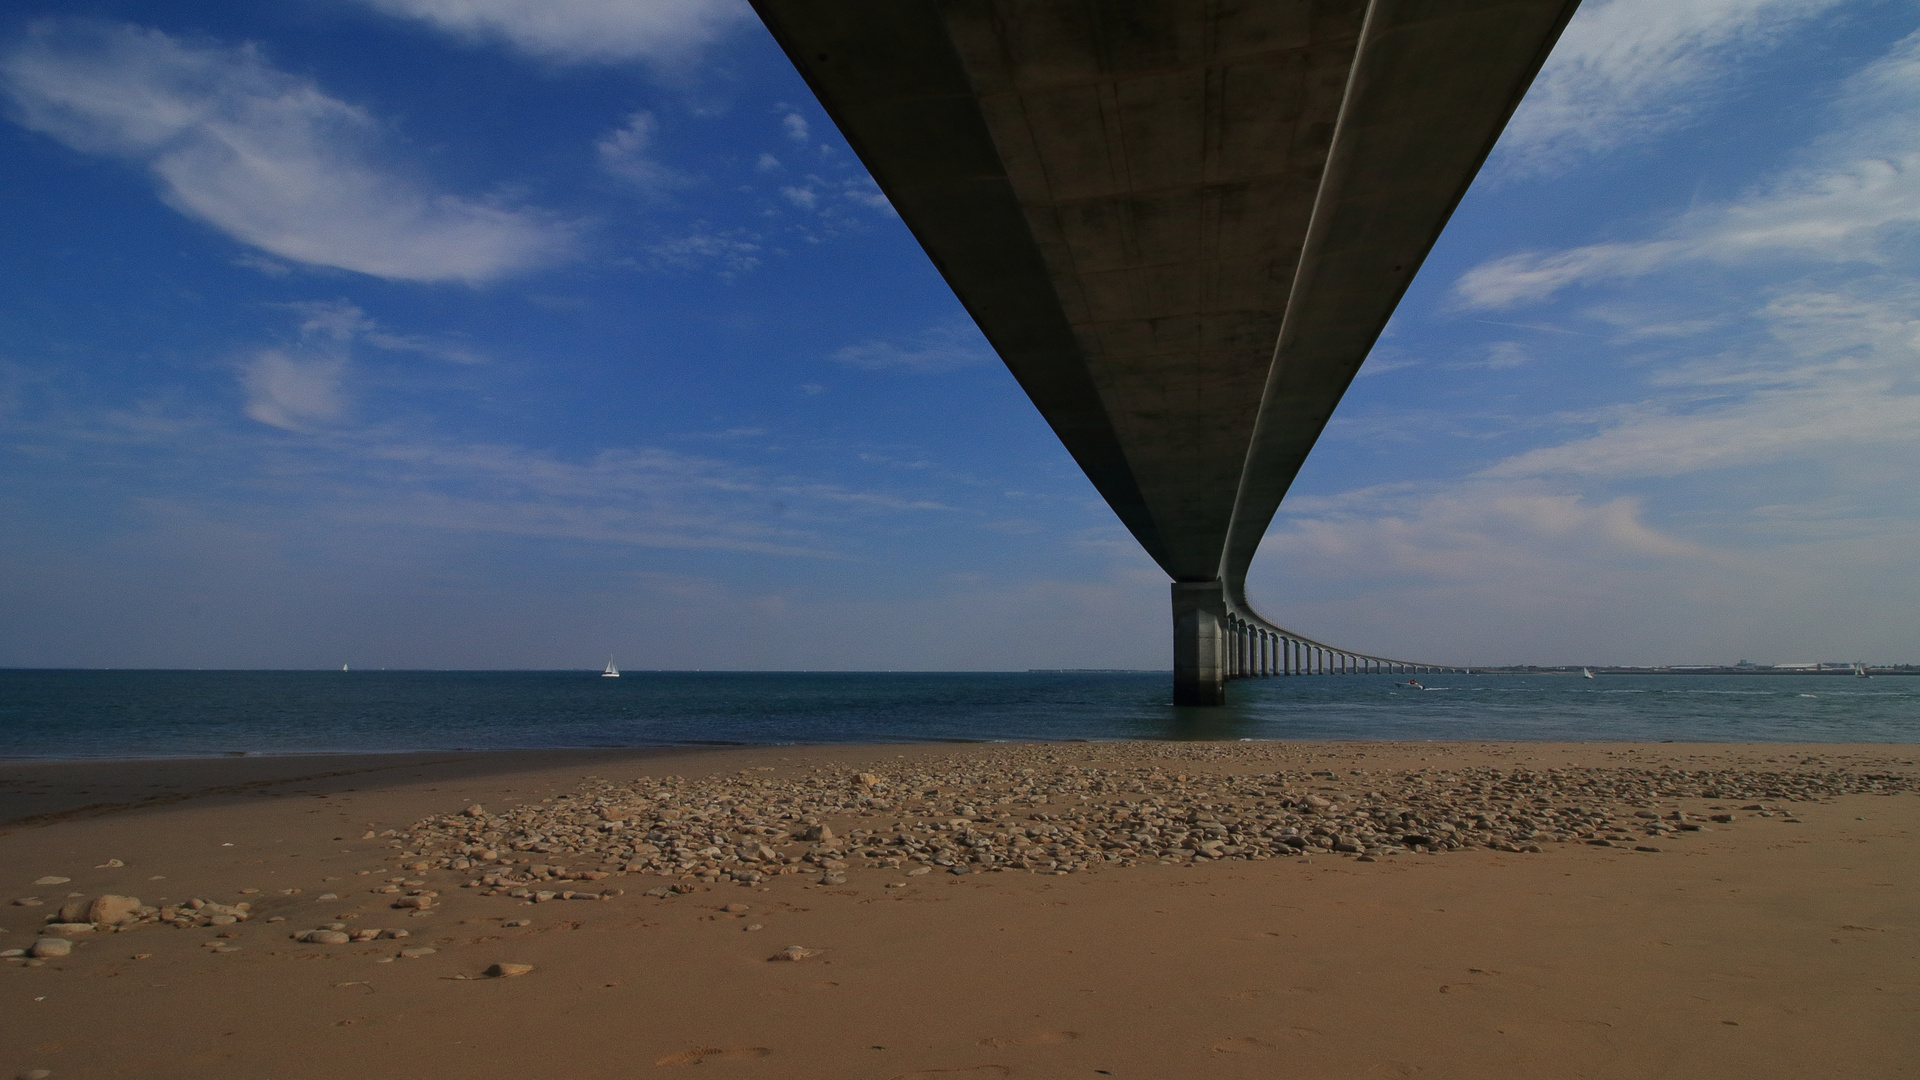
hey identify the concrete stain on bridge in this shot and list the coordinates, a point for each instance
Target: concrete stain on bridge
(1182, 224)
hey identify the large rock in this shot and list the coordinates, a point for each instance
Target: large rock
(113, 910)
(74, 911)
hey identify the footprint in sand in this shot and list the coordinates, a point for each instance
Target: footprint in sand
(968, 1072)
(701, 1054)
(1245, 1045)
(1038, 1038)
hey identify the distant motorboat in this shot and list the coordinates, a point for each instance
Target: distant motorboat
(1586, 673)
(611, 672)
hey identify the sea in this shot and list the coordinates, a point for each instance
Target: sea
(163, 714)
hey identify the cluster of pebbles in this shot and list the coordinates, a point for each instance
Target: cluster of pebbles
(113, 913)
(1066, 808)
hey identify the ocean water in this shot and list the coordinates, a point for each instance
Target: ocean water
(137, 714)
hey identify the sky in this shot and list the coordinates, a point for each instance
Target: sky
(518, 333)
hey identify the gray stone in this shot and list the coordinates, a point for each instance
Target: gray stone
(50, 947)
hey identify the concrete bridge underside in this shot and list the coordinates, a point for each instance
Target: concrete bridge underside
(1181, 223)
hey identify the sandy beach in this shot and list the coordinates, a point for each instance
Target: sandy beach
(1127, 910)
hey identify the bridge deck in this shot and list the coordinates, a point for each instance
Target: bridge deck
(1181, 223)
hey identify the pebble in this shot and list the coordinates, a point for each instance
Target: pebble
(53, 879)
(518, 922)
(414, 952)
(323, 937)
(36, 1074)
(50, 947)
(792, 953)
(736, 909)
(507, 971)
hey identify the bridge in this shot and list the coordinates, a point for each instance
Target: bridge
(1182, 224)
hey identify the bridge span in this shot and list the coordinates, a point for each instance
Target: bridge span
(1181, 224)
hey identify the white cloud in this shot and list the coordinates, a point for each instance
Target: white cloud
(1843, 374)
(767, 163)
(1626, 70)
(340, 324)
(624, 153)
(292, 393)
(795, 126)
(273, 268)
(938, 350)
(263, 156)
(865, 192)
(1502, 355)
(734, 251)
(666, 32)
(803, 197)
(1858, 187)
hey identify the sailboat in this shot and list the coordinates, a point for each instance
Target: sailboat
(1586, 673)
(343, 667)
(611, 672)
(1860, 672)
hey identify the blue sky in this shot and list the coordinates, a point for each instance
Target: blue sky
(495, 333)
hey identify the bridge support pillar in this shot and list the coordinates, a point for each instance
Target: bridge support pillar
(1200, 640)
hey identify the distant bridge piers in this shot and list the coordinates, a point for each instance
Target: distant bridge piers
(1217, 639)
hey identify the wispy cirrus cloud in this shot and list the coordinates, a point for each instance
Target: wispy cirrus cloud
(664, 32)
(292, 392)
(264, 156)
(1855, 189)
(1840, 377)
(1627, 70)
(732, 251)
(940, 349)
(627, 152)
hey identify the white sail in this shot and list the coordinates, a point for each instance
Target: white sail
(611, 672)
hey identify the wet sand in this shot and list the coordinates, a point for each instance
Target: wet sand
(1786, 945)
